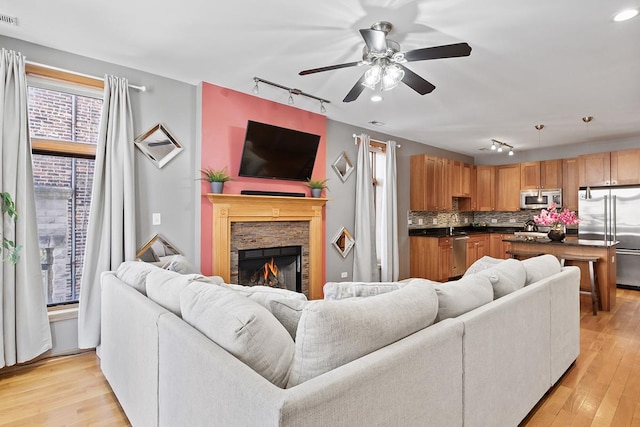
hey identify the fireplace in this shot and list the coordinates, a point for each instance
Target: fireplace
(279, 267)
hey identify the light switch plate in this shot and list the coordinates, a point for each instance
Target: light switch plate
(156, 219)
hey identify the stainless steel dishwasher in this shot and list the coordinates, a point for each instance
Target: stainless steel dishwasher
(459, 256)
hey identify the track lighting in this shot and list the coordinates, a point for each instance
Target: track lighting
(292, 91)
(499, 146)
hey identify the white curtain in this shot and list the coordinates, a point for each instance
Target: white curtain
(111, 230)
(365, 265)
(24, 325)
(389, 218)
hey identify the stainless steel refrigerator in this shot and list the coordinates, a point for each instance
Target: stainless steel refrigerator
(614, 214)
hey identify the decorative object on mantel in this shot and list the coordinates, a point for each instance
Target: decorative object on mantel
(316, 186)
(343, 166)
(557, 221)
(216, 178)
(158, 145)
(13, 251)
(343, 242)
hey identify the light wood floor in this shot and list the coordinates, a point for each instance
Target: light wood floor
(601, 389)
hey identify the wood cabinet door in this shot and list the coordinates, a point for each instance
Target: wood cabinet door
(442, 190)
(594, 169)
(551, 174)
(446, 255)
(466, 178)
(477, 247)
(625, 167)
(417, 183)
(456, 178)
(485, 188)
(570, 184)
(495, 245)
(529, 175)
(422, 262)
(507, 188)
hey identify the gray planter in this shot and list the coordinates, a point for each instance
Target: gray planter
(316, 192)
(216, 187)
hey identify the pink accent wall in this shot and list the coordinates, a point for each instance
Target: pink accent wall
(225, 113)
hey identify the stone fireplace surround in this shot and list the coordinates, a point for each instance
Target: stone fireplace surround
(231, 209)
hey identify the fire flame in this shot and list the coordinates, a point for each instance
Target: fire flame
(270, 267)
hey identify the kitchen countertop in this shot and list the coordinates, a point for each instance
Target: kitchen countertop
(567, 242)
(469, 230)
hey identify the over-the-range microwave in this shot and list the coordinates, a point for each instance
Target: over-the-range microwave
(529, 198)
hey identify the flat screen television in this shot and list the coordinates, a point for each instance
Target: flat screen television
(278, 153)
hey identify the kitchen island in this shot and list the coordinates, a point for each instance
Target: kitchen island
(605, 268)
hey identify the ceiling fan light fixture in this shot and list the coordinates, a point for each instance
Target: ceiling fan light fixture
(372, 76)
(391, 76)
(625, 15)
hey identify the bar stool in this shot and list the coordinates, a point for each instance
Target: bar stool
(593, 277)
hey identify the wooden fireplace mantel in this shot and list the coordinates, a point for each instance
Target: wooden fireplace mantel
(229, 208)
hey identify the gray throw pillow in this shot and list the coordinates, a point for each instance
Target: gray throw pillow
(288, 312)
(482, 264)
(242, 327)
(540, 267)
(263, 295)
(506, 277)
(331, 333)
(164, 287)
(460, 296)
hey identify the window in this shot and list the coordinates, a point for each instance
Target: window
(63, 125)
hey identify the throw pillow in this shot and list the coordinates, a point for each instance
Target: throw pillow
(180, 264)
(506, 277)
(331, 333)
(134, 274)
(288, 312)
(541, 267)
(265, 294)
(459, 296)
(242, 327)
(164, 287)
(341, 290)
(482, 264)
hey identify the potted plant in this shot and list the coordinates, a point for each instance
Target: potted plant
(9, 208)
(217, 178)
(316, 186)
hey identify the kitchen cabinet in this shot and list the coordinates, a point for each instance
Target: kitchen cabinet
(594, 169)
(477, 247)
(430, 257)
(507, 193)
(570, 183)
(498, 248)
(625, 167)
(460, 179)
(430, 183)
(485, 188)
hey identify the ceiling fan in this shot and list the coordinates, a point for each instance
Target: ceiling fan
(385, 59)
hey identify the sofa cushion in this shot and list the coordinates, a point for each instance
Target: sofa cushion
(341, 290)
(134, 274)
(288, 312)
(265, 294)
(331, 333)
(242, 327)
(482, 264)
(540, 267)
(505, 277)
(180, 264)
(460, 296)
(164, 287)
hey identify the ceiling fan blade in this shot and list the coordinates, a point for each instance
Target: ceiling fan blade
(376, 40)
(355, 91)
(329, 68)
(438, 52)
(416, 82)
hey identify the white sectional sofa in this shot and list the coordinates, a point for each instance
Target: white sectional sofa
(488, 366)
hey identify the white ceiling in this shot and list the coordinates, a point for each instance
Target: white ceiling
(547, 61)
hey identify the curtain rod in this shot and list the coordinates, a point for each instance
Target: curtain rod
(373, 140)
(75, 73)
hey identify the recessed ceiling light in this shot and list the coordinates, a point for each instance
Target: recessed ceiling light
(625, 15)
(376, 98)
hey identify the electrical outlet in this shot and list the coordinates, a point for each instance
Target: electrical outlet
(409, 222)
(464, 219)
(435, 221)
(156, 219)
(344, 274)
(420, 221)
(512, 221)
(494, 221)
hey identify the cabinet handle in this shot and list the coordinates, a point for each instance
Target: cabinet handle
(614, 182)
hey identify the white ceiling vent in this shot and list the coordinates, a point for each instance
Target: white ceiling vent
(11, 20)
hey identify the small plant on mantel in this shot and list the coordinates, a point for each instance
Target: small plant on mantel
(9, 246)
(316, 186)
(216, 177)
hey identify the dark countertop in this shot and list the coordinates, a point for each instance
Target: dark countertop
(567, 242)
(468, 230)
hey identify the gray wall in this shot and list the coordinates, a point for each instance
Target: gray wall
(169, 191)
(340, 209)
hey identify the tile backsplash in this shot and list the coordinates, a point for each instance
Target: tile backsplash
(420, 219)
